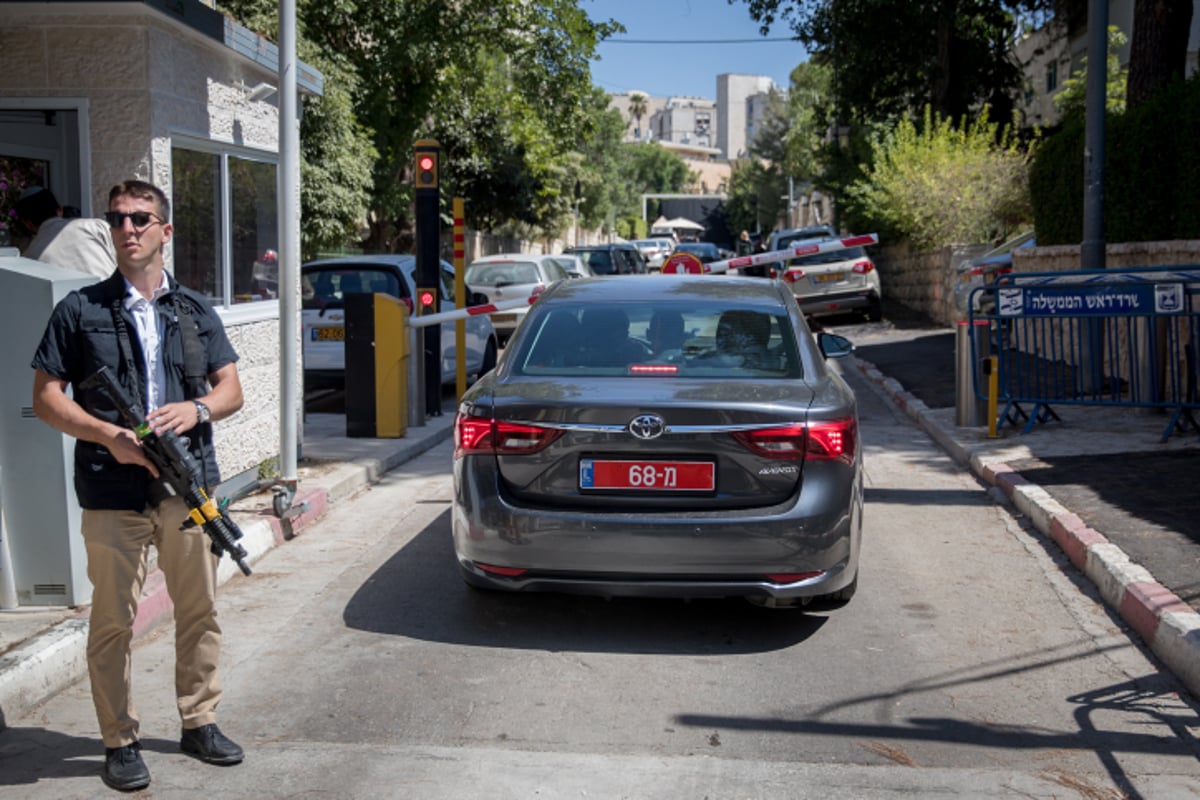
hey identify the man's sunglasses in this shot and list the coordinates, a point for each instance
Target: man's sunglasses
(140, 219)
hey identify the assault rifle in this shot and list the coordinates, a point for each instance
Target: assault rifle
(176, 465)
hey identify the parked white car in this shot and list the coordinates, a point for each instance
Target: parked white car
(325, 283)
(509, 276)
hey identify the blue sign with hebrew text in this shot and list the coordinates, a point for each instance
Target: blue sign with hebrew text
(1095, 300)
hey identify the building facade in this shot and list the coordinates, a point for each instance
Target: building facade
(180, 95)
(733, 92)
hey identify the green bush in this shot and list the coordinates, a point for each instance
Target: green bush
(1151, 173)
(939, 184)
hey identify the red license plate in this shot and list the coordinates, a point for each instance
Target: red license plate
(655, 476)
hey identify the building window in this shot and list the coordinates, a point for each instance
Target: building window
(1051, 76)
(223, 207)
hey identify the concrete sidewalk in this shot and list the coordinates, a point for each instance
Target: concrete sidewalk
(43, 650)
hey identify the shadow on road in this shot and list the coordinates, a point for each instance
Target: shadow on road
(418, 593)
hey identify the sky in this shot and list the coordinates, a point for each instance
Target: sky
(663, 69)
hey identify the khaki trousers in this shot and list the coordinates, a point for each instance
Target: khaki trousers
(117, 545)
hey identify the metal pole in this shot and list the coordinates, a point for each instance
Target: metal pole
(289, 247)
(1092, 248)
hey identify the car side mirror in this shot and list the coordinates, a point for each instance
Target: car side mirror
(834, 346)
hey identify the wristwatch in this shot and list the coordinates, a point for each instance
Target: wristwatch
(203, 415)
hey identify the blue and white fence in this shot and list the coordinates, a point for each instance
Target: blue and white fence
(1115, 338)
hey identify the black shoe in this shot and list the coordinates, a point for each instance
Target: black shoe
(124, 768)
(208, 744)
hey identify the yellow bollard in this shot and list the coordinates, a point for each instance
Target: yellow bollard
(992, 366)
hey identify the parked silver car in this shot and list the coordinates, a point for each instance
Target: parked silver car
(324, 286)
(973, 273)
(662, 436)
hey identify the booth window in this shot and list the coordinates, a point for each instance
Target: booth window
(223, 207)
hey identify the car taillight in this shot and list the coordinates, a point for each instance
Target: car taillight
(537, 290)
(408, 304)
(785, 442)
(479, 435)
(821, 441)
(793, 275)
(863, 267)
(836, 440)
(1003, 270)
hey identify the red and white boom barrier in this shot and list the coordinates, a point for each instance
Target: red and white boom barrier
(470, 311)
(732, 265)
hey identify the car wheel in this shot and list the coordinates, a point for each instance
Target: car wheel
(489, 358)
(836, 599)
(874, 311)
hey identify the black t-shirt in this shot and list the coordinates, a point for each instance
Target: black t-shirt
(81, 337)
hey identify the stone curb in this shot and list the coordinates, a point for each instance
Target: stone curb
(1167, 625)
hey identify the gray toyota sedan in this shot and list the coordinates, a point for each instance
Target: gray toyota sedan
(662, 436)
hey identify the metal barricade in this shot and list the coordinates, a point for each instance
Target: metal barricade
(1119, 338)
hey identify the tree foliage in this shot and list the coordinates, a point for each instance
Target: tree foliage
(1072, 100)
(895, 58)
(940, 184)
(505, 83)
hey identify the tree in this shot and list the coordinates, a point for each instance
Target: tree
(1160, 42)
(939, 184)
(756, 195)
(1072, 100)
(637, 109)
(404, 55)
(891, 58)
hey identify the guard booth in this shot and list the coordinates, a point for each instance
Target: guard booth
(41, 513)
(377, 352)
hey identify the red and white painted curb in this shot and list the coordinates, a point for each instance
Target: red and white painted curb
(1166, 624)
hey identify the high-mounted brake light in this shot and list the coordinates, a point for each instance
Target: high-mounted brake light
(483, 435)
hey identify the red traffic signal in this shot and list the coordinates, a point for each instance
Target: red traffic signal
(426, 171)
(426, 302)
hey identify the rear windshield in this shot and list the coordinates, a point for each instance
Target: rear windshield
(600, 261)
(326, 288)
(661, 339)
(831, 257)
(502, 273)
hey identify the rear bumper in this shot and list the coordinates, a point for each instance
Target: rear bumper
(838, 301)
(656, 554)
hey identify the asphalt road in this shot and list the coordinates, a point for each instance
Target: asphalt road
(358, 665)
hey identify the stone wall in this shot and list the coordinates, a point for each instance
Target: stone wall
(1066, 257)
(923, 281)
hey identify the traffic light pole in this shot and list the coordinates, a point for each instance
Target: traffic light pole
(426, 157)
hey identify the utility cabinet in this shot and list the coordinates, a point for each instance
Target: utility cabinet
(41, 513)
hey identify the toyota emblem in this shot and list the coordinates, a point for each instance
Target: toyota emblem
(647, 426)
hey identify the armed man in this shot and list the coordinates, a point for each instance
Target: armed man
(166, 347)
